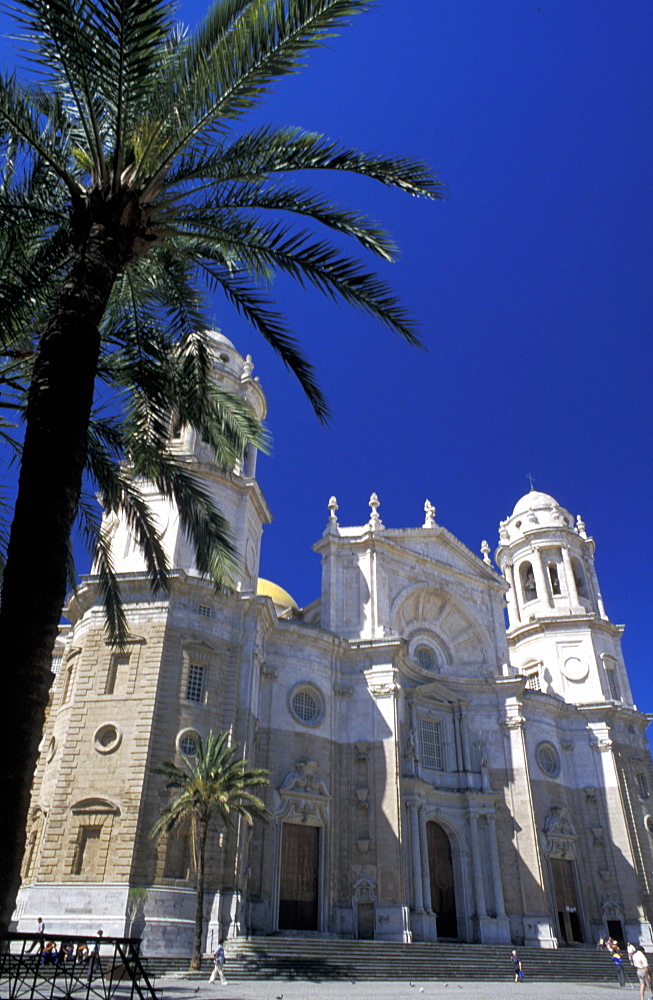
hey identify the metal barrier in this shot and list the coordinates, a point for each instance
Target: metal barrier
(40, 968)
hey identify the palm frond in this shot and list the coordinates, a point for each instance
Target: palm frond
(268, 39)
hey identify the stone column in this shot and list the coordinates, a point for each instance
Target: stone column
(460, 766)
(465, 742)
(572, 590)
(496, 868)
(513, 604)
(424, 857)
(478, 866)
(595, 586)
(540, 578)
(416, 861)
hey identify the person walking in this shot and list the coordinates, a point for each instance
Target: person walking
(640, 962)
(631, 949)
(94, 963)
(516, 965)
(40, 930)
(218, 962)
(619, 966)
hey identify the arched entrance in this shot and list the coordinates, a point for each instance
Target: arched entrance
(443, 894)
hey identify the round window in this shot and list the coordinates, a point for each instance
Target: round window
(107, 738)
(548, 760)
(425, 657)
(188, 746)
(306, 705)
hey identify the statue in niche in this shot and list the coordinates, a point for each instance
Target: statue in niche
(411, 752)
(558, 821)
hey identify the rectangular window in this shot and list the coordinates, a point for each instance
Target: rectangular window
(68, 685)
(430, 743)
(87, 851)
(533, 681)
(612, 684)
(195, 683)
(177, 862)
(642, 786)
(117, 675)
(204, 610)
(57, 660)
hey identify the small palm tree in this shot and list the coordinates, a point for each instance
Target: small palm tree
(213, 784)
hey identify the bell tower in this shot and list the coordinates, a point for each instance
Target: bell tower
(559, 634)
(235, 492)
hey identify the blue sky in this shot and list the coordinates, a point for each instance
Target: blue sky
(531, 285)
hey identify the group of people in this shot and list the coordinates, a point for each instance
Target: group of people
(50, 954)
(638, 960)
(636, 957)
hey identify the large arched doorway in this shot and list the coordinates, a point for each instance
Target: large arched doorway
(443, 894)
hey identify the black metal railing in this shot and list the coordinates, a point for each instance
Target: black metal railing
(33, 967)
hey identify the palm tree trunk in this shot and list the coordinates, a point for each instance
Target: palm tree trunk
(196, 960)
(35, 577)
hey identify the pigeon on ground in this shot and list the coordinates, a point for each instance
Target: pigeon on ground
(421, 989)
(412, 984)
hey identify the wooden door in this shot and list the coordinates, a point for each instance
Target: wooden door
(564, 888)
(298, 896)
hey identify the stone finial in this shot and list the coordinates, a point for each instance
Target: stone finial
(429, 515)
(248, 366)
(485, 549)
(333, 506)
(503, 534)
(580, 527)
(375, 521)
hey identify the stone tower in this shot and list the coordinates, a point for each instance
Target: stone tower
(559, 634)
(113, 716)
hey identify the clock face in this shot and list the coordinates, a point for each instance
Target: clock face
(575, 669)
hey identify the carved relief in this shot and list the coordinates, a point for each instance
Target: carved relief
(363, 884)
(559, 834)
(304, 795)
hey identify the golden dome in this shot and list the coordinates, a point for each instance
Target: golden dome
(280, 597)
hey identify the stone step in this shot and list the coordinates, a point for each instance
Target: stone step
(327, 959)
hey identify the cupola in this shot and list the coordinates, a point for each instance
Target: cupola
(548, 561)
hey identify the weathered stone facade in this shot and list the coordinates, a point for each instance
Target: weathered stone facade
(432, 773)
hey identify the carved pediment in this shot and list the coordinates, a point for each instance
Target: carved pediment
(435, 691)
(304, 795)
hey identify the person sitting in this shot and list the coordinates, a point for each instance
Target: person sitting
(82, 952)
(49, 955)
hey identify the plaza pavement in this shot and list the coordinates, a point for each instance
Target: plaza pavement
(178, 988)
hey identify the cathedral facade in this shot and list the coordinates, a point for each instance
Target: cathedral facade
(453, 749)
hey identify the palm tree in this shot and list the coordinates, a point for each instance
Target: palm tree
(212, 785)
(144, 185)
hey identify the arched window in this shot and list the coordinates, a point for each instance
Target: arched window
(579, 577)
(554, 578)
(527, 577)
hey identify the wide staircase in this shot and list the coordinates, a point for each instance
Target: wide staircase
(319, 959)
